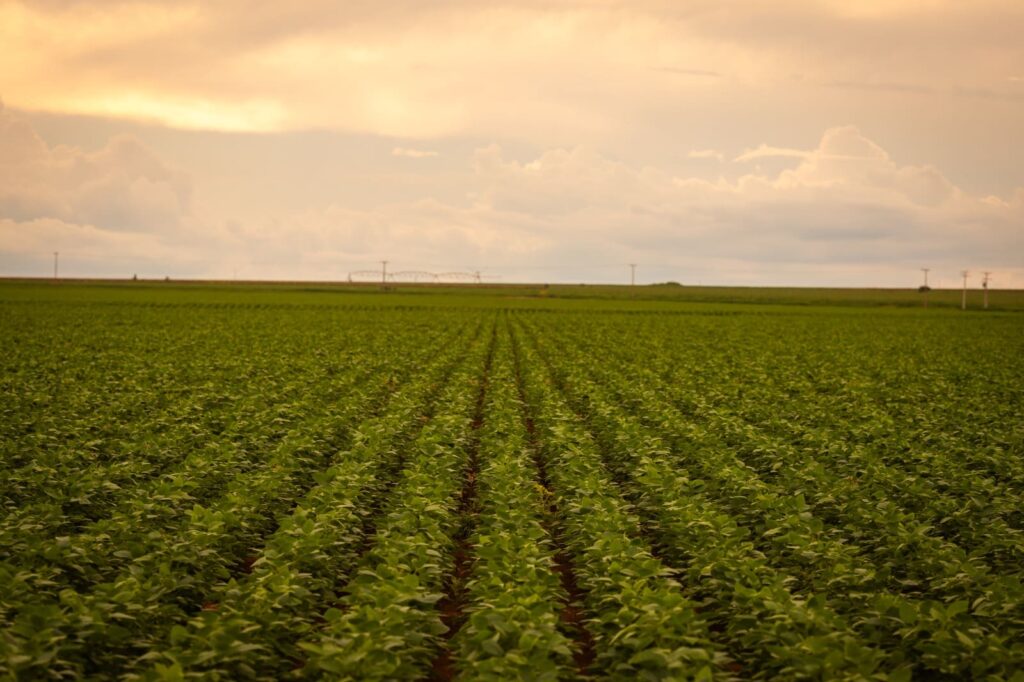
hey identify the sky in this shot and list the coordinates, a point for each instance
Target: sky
(746, 142)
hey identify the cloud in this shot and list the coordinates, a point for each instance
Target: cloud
(706, 154)
(846, 213)
(86, 250)
(116, 209)
(424, 70)
(413, 153)
(763, 151)
(847, 203)
(121, 186)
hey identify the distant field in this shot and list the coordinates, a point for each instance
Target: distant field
(515, 294)
(255, 481)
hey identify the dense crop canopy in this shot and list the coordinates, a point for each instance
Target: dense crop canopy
(268, 489)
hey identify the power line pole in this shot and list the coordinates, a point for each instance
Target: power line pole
(925, 289)
(984, 286)
(632, 274)
(384, 273)
(56, 255)
(963, 296)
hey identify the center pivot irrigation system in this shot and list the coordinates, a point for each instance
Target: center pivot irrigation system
(383, 276)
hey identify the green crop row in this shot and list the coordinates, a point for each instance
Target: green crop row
(643, 625)
(250, 626)
(514, 595)
(775, 632)
(939, 631)
(387, 626)
(99, 599)
(973, 498)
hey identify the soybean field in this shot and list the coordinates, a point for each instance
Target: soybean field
(233, 483)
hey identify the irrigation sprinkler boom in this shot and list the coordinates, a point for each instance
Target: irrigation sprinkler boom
(412, 276)
(418, 276)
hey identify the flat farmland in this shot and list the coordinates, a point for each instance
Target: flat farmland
(217, 482)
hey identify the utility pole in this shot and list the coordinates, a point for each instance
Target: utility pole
(963, 296)
(632, 274)
(925, 290)
(984, 286)
(56, 255)
(476, 276)
(384, 274)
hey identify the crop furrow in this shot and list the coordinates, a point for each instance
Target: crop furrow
(642, 624)
(159, 504)
(507, 626)
(974, 511)
(854, 428)
(452, 604)
(786, 530)
(387, 624)
(251, 626)
(574, 596)
(771, 630)
(169, 572)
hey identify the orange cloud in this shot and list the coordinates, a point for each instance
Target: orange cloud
(493, 68)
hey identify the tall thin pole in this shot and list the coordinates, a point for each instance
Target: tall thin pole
(632, 274)
(384, 273)
(963, 296)
(984, 286)
(56, 255)
(925, 291)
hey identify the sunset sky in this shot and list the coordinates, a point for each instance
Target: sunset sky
(764, 143)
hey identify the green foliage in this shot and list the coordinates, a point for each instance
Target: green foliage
(225, 484)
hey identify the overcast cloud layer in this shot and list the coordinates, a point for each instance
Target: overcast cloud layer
(738, 142)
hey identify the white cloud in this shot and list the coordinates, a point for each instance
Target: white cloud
(413, 153)
(847, 203)
(122, 186)
(846, 213)
(764, 151)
